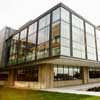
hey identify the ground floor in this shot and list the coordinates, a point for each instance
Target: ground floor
(49, 76)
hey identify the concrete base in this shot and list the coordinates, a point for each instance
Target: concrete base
(46, 79)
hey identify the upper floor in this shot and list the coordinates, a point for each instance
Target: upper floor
(58, 32)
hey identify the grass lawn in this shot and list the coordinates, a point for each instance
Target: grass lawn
(20, 94)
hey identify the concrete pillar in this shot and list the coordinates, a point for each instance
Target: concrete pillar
(46, 76)
(85, 75)
(11, 77)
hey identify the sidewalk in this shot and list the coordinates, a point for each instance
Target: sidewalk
(81, 89)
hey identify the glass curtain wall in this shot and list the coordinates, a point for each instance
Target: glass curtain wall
(91, 50)
(98, 43)
(94, 72)
(43, 37)
(22, 46)
(62, 73)
(31, 44)
(27, 74)
(65, 32)
(4, 76)
(55, 39)
(78, 40)
(14, 49)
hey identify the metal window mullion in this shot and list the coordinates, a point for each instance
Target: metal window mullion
(60, 33)
(50, 35)
(85, 40)
(71, 47)
(18, 46)
(26, 43)
(57, 72)
(36, 40)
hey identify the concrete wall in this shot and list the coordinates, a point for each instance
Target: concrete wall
(66, 83)
(94, 80)
(85, 75)
(32, 85)
(46, 76)
(3, 82)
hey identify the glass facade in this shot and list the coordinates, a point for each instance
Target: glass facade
(31, 43)
(43, 37)
(78, 42)
(14, 49)
(55, 37)
(90, 37)
(94, 72)
(65, 32)
(59, 32)
(22, 46)
(27, 74)
(62, 73)
(4, 76)
(98, 43)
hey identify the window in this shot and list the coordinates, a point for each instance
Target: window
(14, 49)
(27, 74)
(55, 43)
(31, 44)
(43, 37)
(55, 40)
(32, 28)
(91, 50)
(65, 32)
(4, 76)
(56, 15)
(23, 35)
(45, 21)
(78, 42)
(66, 73)
(22, 46)
(94, 72)
(98, 43)
(65, 15)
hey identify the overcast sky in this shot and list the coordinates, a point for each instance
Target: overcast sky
(15, 13)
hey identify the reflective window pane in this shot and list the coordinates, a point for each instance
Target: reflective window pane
(55, 43)
(45, 21)
(56, 15)
(14, 49)
(65, 38)
(91, 51)
(78, 42)
(65, 15)
(32, 28)
(94, 72)
(22, 46)
(98, 43)
(31, 44)
(43, 43)
(66, 73)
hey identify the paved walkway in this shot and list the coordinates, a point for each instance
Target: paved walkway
(76, 89)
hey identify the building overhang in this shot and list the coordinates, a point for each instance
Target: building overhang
(73, 62)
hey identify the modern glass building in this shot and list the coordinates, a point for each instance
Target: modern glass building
(58, 48)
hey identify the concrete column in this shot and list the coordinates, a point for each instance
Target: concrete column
(85, 75)
(11, 77)
(46, 76)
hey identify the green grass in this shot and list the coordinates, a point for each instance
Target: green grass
(20, 94)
